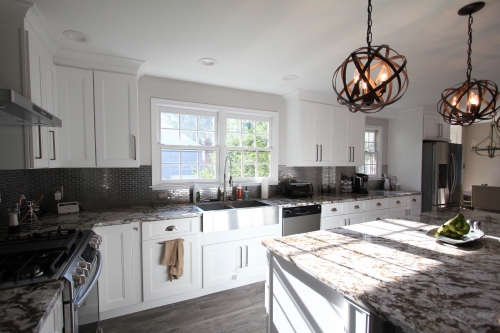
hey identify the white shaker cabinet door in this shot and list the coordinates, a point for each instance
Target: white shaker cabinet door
(155, 276)
(75, 103)
(255, 257)
(116, 120)
(116, 282)
(222, 263)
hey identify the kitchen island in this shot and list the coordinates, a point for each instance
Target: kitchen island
(363, 275)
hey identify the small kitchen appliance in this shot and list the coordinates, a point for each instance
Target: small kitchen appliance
(360, 183)
(297, 190)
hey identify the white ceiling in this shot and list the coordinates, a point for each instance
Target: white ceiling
(257, 42)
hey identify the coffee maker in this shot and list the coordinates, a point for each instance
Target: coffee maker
(360, 183)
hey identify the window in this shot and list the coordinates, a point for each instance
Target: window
(373, 155)
(191, 142)
(247, 142)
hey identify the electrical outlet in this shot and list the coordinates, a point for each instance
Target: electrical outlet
(60, 189)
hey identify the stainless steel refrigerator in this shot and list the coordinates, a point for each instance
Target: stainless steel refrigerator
(441, 175)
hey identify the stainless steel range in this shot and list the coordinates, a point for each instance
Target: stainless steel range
(71, 255)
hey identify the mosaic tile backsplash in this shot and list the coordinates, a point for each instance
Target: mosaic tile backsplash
(101, 188)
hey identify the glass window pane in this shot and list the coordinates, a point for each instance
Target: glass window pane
(370, 147)
(189, 156)
(249, 156)
(366, 136)
(374, 169)
(169, 120)
(263, 171)
(233, 125)
(169, 137)
(361, 169)
(189, 171)
(367, 158)
(264, 157)
(206, 123)
(206, 138)
(207, 171)
(249, 171)
(235, 156)
(371, 137)
(366, 146)
(207, 156)
(188, 138)
(248, 140)
(232, 140)
(170, 171)
(170, 156)
(188, 121)
(262, 141)
(236, 171)
(262, 127)
(248, 126)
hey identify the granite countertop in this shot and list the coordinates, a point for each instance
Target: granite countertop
(24, 309)
(397, 272)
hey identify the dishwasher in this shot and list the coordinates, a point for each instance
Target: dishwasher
(297, 220)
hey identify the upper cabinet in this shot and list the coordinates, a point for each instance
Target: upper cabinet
(435, 128)
(99, 111)
(321, 134)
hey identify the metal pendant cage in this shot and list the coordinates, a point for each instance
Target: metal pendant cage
(468, 102)
(370, 79)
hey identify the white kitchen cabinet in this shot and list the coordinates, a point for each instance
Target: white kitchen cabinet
(349, 138)
(54, 320)
(99, 112)
(377, 215)
(435, 128)
(155, 276)
(331, 222)
(120, 251)
(229, 261)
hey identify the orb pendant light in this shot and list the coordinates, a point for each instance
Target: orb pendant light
(371, 77)
(473, 99)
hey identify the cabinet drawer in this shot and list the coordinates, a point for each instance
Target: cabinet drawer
(377, 204)
(170, 228)
(414, 200)
(332, 209)
(355, 206)
(397, 202)
(377, 216)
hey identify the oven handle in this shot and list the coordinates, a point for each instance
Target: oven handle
(92, 282)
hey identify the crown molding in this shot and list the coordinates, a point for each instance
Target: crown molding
(34, 19)
(96, 61)
(12, 13)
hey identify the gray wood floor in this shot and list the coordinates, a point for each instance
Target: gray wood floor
(239, 310)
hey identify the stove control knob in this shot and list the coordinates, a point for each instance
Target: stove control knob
(82, 271)
(94, 245)
(84, 264)
(78, 279)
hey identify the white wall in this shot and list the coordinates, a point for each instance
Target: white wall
(405, 149)
(478, 169)
(384, 123)
(155, 87)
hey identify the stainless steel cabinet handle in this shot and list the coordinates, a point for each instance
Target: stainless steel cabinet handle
(378, 219)
(136, 229)
(39, 134)
(414, 200)
(356, 207)
(171, 228)
(135, 147)
(246, 263)
(353, 154)
(349, 221)
(321, 152)
(241, 256)
(334, 209)
(398, 202)
(379, 204)
(316, 153)
(350, 154)
(53, 145)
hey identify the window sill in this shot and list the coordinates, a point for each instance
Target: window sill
(162, 187)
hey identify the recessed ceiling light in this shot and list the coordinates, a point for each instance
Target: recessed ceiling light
(207, 61)
(290, 77)
(76, 36)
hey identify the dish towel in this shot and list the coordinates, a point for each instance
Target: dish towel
(173, 257)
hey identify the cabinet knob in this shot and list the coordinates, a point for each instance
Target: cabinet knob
(334, 209)
(414, 200)
(171, 228)
(378, 219)
(379, 204)
(356, 207)
(398, 202)
(235, 277)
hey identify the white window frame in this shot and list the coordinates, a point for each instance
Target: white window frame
(379, 141)
(221, 114)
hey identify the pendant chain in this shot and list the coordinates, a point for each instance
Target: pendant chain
(469, 51)
(369, 30)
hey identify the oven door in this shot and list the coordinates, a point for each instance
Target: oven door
(87, 302)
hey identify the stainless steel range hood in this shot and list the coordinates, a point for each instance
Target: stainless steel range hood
(15, 109)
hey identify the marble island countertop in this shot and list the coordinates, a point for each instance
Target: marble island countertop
(395, 270)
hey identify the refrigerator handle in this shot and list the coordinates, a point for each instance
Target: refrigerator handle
(454, 178)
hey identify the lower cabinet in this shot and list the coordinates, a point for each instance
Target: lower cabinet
(120, 251)
(54, 322)
(155, 276)
(377, 215)
(229, 261)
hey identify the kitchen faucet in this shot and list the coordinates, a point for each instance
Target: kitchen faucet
(225, 175)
